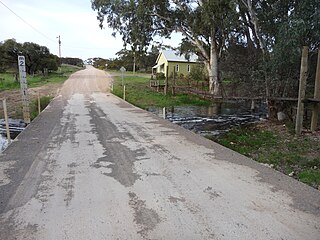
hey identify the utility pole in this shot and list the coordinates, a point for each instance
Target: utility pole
(59, 41)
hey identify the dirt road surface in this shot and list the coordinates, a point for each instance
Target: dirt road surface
(92, 166)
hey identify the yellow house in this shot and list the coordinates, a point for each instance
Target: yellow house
(175, 62)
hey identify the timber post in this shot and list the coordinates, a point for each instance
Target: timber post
(39, 103)
(174, 82)
(253, 105)
(302, 90)
(164, 113)
(124, 92)
(166, 85)
(316, 107)
(4, 102)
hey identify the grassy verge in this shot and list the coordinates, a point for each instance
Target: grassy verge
(44, 102)
(274, 145)
(139, 94)
(7, 81)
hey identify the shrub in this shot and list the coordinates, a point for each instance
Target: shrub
(160, 76)
(198, 73)
(44, 102)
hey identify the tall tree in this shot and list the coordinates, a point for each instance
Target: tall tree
(37, 57)
(280, 29)
(204, 23)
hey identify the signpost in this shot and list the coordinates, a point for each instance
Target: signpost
(122, 69)
(24, 89)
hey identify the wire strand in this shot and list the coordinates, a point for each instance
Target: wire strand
(27, 22)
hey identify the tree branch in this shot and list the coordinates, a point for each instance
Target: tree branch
(195, 42)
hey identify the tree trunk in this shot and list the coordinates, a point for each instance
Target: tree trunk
(134, 62)
(212, 67)
(256, 30)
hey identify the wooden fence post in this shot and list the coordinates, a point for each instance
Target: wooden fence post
(39, 103)
(166, 85)
(302, 89)
(174, 82)
(316, 107)
(124, 92)
(164, 113)
(6, 120)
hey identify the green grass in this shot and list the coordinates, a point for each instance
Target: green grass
(310, 177)
(245, 142)
(7, 81)
(129, 72)
(139, 93)
(44, 102)
(282, 150)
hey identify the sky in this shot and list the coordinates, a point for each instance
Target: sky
(73, 20)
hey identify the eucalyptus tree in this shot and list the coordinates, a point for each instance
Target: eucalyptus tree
(280, 29)
(205, 24)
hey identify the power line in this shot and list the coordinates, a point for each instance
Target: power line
(45, 36)
(26, 22)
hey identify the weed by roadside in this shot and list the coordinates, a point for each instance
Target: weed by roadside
(44, 102)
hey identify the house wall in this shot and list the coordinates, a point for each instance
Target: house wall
(183, 67)
(162, 62)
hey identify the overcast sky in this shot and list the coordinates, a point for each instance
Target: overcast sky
(73, 20)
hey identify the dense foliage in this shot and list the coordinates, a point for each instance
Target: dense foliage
(141, 61)
(247, 42)
(38, 58)
(72, 61)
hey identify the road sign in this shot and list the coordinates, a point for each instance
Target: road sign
(24, 89)
(122, 69)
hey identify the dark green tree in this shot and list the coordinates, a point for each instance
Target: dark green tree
(9, 54)
(280, 29)
(205, 24)
(37, 57)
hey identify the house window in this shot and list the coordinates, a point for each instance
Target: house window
(189, 68)
(177, 68)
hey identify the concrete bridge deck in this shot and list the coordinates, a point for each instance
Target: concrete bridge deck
(92, 166)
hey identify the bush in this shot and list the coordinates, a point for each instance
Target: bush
(160, 76)
(198, 73)
(44, 102)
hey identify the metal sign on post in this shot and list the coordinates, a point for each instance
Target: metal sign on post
(24, 89)
(122, 69)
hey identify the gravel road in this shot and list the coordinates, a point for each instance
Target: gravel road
(92, 166)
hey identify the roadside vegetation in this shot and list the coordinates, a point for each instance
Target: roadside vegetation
(46, 86)
(138, 93)
(44, 102)
(8, 81)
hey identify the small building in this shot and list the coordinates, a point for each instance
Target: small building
(178, 63)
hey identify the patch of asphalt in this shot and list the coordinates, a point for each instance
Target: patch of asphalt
(146, 218)
(121, 158)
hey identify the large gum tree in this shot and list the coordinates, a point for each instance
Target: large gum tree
(205, 24)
